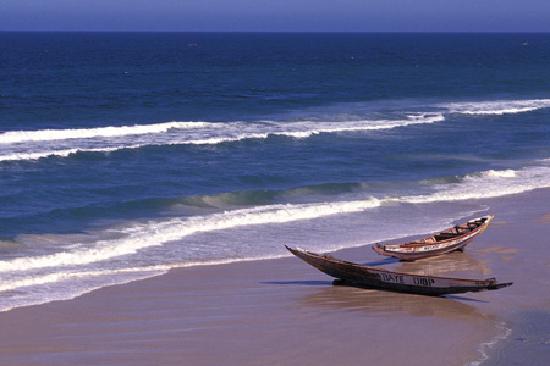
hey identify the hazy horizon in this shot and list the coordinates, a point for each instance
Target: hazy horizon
(301, 16)
(272, 32)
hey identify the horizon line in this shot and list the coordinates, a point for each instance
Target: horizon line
(273, 32)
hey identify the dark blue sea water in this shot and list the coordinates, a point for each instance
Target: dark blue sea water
(123, 155)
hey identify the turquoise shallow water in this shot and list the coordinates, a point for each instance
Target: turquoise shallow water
(122, 155)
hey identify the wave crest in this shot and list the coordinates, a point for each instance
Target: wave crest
(103, 256)
(150, 234)
(33, 145)
(474, 186)
(508, 173)
(497, 107)
(15, 137)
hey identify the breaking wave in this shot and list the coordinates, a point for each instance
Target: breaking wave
(488, 184)
(60, 153)
(117, 256)
(497, 107)
(15, 137)
(33, 145)
(150, 234)
(508, 173)
(155, 233)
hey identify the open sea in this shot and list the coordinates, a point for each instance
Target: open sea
(123, 155)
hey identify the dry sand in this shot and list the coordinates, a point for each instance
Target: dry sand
(283, 312)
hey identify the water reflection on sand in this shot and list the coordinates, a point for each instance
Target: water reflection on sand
(378, 302)
(452, 264)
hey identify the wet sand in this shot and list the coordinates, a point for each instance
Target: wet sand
(283, 312)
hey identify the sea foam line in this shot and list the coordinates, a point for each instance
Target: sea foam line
(73, 141)
(485, 347)
(63, 276)
(138, 273)
(155, 233)
(261, 127)
(494, 107)
(152, 234)
(490, 183)
(60, 153)
(497, 107)
(158, 269)
(14, 137)
(35, 293)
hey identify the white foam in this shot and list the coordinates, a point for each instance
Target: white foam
(150, 234)
(497, 107)
(485, 347)
(307, 129)
(64, 276)
(72, 272)
(33, 288)
(155, 233)
(488, 184)
(94, 280)
(60, 153)
(508, 173)
(143, 235)
(14, 137)
(33, 145)
(62, 143)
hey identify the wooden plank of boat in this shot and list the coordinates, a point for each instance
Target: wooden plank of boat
(449, 240)
(359, 275)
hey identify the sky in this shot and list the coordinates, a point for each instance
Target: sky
(276, 15)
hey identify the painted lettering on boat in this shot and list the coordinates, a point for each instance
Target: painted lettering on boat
(423, 281)
(400, 279)
(392, 278)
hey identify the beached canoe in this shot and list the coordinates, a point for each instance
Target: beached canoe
(449, 240)
(358, 275)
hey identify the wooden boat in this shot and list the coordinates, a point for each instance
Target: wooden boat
(449, 240)
(358, 275)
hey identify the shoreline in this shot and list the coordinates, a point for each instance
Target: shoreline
(289, 313)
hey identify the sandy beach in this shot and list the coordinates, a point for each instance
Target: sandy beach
(283, 312)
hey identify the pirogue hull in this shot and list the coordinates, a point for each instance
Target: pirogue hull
(357, 275)
(455, 238)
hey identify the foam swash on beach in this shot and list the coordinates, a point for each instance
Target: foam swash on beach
(96, 258)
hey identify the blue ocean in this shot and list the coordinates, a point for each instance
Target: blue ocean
(123, 155)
